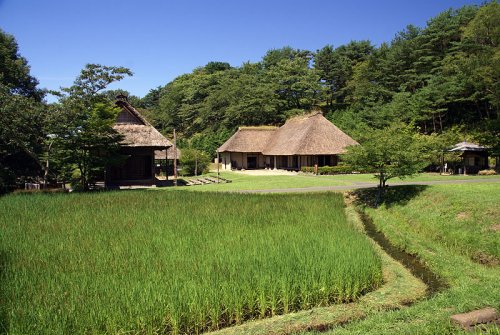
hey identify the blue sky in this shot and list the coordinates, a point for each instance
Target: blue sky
(160, 40)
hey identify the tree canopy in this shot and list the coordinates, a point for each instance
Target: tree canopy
(21, 117)
(434, 77)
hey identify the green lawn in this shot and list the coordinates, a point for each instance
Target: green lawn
(447, 226)
(248, 182)
(170, 262)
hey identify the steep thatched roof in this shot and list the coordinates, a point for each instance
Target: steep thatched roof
(310, 134)
(467, 146)
(135, 129)
(249, 139)
(160, 154)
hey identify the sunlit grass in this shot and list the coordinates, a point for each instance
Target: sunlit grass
(264, 182)
(173, 262)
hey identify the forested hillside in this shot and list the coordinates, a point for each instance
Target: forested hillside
(442, 79)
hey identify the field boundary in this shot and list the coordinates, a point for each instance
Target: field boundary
(400, 289)
(358, 185)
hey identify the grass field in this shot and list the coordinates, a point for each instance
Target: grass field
(465, 219)
(447, 226)
(247, 182)
(168, 262)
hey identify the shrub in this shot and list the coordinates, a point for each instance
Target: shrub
(487, 172)
(329, 170)
(194, 162)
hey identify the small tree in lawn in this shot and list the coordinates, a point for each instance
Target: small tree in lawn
(395, 151)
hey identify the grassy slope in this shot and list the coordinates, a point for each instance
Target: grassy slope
(153, 261)
(430, 225)
(246, 182)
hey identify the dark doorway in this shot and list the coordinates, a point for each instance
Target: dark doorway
(134, 168)
(251, 162)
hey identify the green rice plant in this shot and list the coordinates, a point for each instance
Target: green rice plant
(174, 262)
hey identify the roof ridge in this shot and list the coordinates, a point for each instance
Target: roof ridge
(257, 128)
(135, 112)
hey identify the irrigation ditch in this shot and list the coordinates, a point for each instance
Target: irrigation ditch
(434, 283)
(394, 294)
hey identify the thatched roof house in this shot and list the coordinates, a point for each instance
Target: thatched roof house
(135, 129)
(249, 139)
(303, 140)
(140, 140)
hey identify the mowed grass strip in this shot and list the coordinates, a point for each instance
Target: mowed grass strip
(462, 218)
(174, 262)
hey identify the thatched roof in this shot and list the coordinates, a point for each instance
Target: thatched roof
(310, 134)
(467, 146)
(135, 129)
(249, 139)
(160, 154)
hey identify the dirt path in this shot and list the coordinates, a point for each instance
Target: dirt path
(368, 185)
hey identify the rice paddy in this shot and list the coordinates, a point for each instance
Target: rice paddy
(174, 262)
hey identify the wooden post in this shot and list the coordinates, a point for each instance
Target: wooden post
(175, 158)
(196, 164)
(218, 163)
(166, 163)
(442, 162)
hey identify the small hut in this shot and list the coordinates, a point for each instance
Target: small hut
(164, 161)
(304, 140)
(140, 140)
(474, 157)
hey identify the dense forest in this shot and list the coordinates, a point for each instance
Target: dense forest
(442, 80)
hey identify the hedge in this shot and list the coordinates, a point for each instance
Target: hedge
(329, 170)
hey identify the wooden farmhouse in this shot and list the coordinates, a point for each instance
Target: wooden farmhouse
(140, 140)
(474, 157)
(303, 140)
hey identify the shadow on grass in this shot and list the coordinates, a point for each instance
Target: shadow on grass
(394, 195)
(4, 322)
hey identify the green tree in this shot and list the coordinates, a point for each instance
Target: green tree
(21, 138)
(194, 162)
(21, 117)
(335, 67)
(295, 84)
(395, 151)
(274, 56)
(15, 71)
(83, 121)
(89, 144)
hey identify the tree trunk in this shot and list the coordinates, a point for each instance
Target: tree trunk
(380, 188)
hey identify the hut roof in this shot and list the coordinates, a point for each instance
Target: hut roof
(310, 134)
(135, 129)
(467, 146)
(160, 154)
(249, 139)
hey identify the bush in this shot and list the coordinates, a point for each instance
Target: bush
(329, 170)
(487, 172)
(194, 162)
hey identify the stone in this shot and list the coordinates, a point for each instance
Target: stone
(480, 316)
